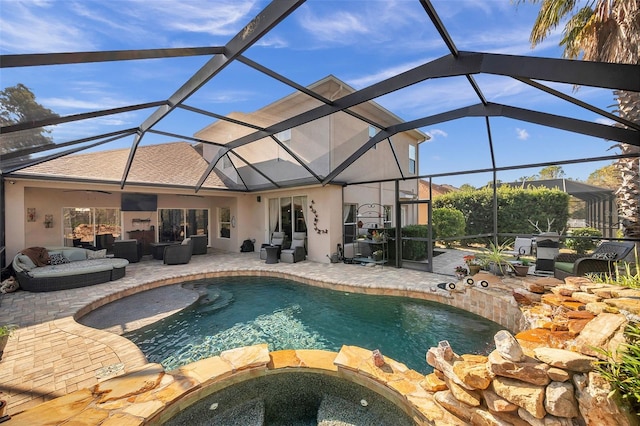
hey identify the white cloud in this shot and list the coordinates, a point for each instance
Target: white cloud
(523, 135)
(25, 29)
(435, 133)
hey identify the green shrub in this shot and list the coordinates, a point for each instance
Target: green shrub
(516, 206)
(415, 250)
(583, 245)
(624, 373)
(447, 222)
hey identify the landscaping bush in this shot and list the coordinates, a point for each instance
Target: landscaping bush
(583, 245)
(447, 222)
(516, 206)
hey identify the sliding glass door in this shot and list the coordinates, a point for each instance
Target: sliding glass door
(177, 224)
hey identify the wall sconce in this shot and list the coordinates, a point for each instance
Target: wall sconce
(233, 221)
(48, 221)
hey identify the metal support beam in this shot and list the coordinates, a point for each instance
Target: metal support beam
(38, 59)
(52, 121)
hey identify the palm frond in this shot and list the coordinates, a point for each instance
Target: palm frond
(551, 14)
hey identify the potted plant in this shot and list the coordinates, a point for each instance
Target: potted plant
(461, 272)
(493, 256)
(377, 255)
(521, 268)
(473, 263)
(5, 331)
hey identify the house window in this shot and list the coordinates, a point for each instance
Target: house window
(288, 215)
(412, 159)
(349, 231)
(224, 222)
(387, 216)
(83, 225)
(177, 224)
(226, 162)
(284, 137)
(372, 132)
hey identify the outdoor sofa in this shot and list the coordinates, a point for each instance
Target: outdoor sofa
(82, 267)
(601, 261)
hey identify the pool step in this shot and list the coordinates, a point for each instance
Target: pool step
(216, 300)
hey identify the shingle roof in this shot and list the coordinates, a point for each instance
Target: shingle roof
(175, 164)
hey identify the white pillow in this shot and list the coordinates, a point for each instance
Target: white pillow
(25, 262)
(186, 241)
(98, 254)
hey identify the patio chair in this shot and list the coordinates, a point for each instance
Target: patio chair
(296, 252)
(178, 254)
(602, 260)
(277, 239)
(127, 249)
(521, 247)
(199, 244)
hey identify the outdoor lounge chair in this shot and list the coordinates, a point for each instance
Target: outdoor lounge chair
(296, 252)
(602, 260)
(127, 249)
(199, 244)
(521, 247)
(277, 239)
(178, 254)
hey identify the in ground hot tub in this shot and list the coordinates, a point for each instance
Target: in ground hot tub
(293, 398)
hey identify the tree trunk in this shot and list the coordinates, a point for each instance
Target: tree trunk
(629, 192)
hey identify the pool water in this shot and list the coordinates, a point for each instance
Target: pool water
(243, 311)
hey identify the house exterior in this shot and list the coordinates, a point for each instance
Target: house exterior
(253, 190)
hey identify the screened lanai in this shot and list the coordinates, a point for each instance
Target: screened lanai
(217, 76)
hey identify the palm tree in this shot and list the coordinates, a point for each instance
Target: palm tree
(604, 31)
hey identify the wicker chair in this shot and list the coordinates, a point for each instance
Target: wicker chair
(577, 265)
(199, 244)
(128, 249)
(179, 253)
(296, 252)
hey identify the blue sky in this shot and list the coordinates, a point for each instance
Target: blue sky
(359, 41)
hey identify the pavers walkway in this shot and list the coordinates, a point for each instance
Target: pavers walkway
(51, 354)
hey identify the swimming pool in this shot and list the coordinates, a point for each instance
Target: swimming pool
(242, 311)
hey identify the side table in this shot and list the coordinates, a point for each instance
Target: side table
(272, 254)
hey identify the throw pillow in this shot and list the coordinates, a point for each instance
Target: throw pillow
(57, 259)
(604, 256)
(25, 262)
(100, 254)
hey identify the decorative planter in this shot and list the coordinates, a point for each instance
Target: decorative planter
(521, 270)
(498, 269)
(474, 269)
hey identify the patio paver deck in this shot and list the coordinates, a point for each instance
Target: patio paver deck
(51, 354)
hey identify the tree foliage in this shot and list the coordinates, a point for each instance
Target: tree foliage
(603, 31)
(18, 105)
(605, 177)
(551, 172)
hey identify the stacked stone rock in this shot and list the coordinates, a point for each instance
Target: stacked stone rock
(545, 374)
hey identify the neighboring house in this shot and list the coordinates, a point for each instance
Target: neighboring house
(424, 193)
(237, 200)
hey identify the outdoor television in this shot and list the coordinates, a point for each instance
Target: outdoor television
(133, 202)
